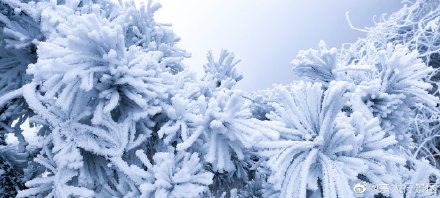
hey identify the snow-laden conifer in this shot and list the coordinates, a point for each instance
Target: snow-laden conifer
(118, 114)
(96, 88)
(397, 91)
(179, 175)
(316, 65)
(326, 150)
(227, 129)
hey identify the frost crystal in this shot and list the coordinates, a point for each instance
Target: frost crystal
(118, 114)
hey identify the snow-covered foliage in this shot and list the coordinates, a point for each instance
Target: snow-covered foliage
(325, 144)
(227, 125)
(396, 90)
(118, 114)
(222, 73)
(19, 34)
(414, 31)
(316, 65)
(175, 176)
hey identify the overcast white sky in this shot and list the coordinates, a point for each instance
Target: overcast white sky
(266, 35)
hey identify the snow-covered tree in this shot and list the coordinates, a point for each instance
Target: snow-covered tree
(119, 114)
(325, 149)
(316, 65)
(188, 179)
(19, 35)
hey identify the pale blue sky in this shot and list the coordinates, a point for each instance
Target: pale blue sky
(266, 35)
